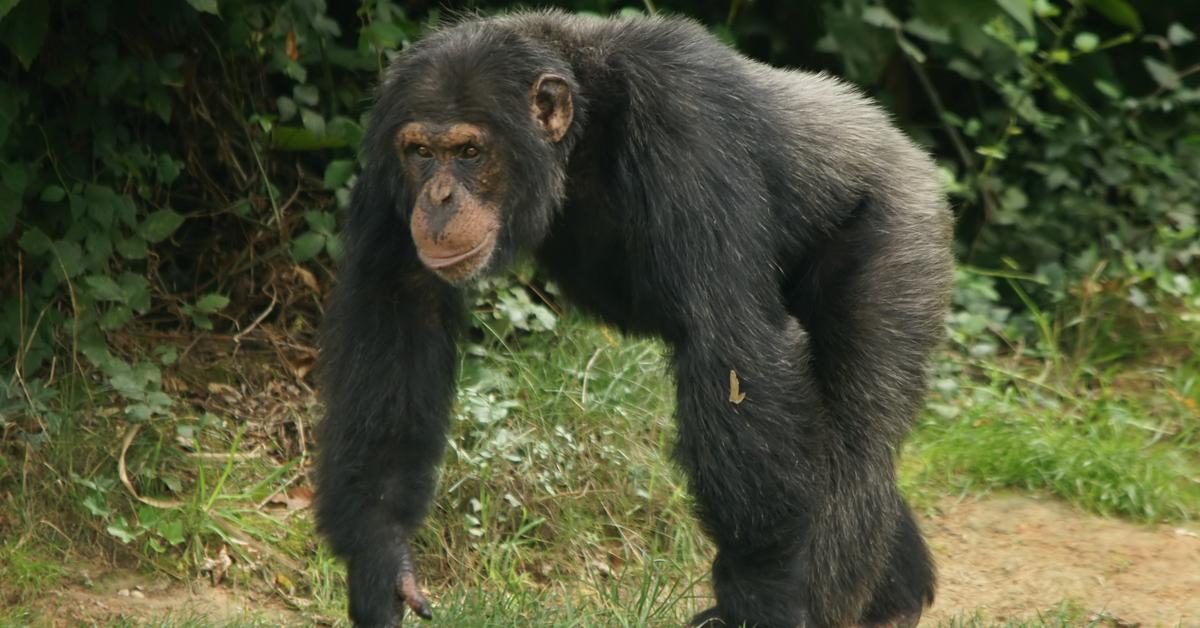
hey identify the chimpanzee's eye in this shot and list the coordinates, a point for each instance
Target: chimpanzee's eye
(469, 152)
(423, 152)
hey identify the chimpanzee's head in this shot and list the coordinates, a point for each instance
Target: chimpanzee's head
(478, 125)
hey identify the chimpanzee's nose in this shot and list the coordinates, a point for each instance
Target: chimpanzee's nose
(441, 190)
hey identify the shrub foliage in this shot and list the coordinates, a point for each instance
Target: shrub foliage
(179, 165)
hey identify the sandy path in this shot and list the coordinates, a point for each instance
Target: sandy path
(1011, 557)
(1005, 557)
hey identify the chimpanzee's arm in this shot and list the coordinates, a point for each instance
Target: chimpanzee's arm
(388, 369)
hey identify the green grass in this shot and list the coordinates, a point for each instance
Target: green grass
(557, 506)
(1109, 454)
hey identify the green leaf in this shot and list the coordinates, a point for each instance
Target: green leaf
(116, 317)
(287, 108)
(338, 172)
(53, 194)
(171, 531)
(121, 530)
(70, 257)
(880, 16)
(11, 100)
(295, 138)
(385, 35)
(101, 203)
(333, 246)
(6, 6)
(202, 322)
(24, 29)
(313, 121)
(1118, 12)
(296, 71)
(929, 32)
(212, 302)
(99, 247)
(159, 101)
(1086, 42)
(911, 49)
(137, 291)
(34, 241)
(174, 484)
(1107, 88)
(96, 506)
(168, 169)
(321, 222)
(205, 6)
(159, 225)
(345, 129)
(125, 209)
(10, 207)
(1046, 8)
(306, 94)
(307, 246)
(1020, 10)
(1179, 35)
(139, 411)
(1163, 74)
(104, 288)
(326, 26)
(167, 354)
(133, 247)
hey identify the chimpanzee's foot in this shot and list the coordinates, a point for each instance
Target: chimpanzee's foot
(906, 620)
(710, 618)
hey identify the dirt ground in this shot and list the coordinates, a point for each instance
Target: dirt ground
(1004, 557)
(1011, 557)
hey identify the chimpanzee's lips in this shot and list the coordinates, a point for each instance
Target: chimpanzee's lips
(437, 262)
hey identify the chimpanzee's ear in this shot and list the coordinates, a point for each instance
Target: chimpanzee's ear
(553, 108)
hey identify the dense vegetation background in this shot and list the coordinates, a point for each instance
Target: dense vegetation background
(171, 177)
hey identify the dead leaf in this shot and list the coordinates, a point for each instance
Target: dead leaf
(308, 278)
(300, 496)
(124, 474)
(293, 51)
(218, 566)
(228, 393)
(302, 368)
(284, 583)
(736, 395)
(297, 498)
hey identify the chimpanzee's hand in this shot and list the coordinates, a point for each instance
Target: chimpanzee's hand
(407, 587)
(380, 578)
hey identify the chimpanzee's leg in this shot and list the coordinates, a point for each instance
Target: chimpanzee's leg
(801, 520)
(796, 483)
(906, 586)
(874, 300)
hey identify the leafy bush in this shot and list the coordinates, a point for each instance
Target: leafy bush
(1070, 129)
(180, 164)
(160, 160)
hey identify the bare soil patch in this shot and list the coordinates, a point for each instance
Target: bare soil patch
(1012, 557)
(139, 598)
(1007, 558)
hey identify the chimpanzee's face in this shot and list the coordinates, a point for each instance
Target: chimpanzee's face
(463, 181)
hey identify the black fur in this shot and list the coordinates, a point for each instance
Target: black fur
(768, 222)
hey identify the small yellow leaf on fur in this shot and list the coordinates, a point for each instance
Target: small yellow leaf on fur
(736, 395)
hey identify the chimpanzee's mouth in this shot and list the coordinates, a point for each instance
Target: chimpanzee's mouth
(460, 266)
(438, 262)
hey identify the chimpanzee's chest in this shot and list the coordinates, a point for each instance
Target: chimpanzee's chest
(588, 255)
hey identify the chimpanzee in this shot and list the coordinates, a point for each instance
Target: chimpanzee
(767, 223)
